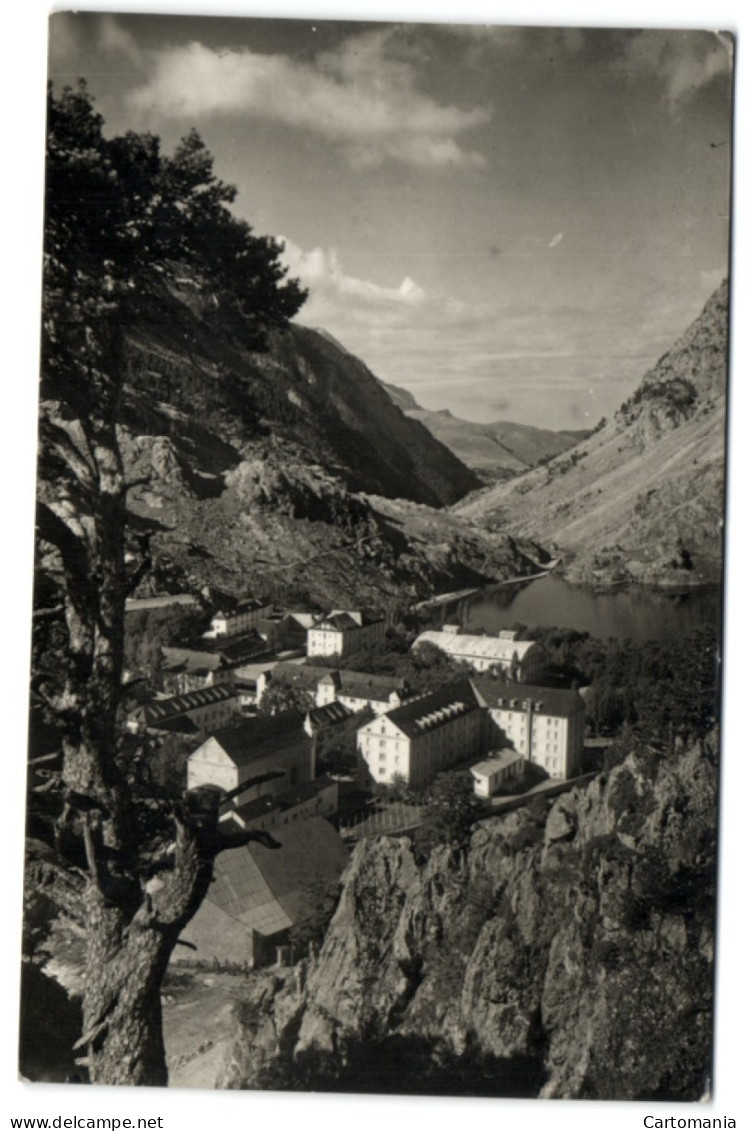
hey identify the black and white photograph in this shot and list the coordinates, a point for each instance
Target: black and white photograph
(376, 650)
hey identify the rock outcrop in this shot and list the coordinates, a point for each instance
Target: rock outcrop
(262, 470)
(567, 953)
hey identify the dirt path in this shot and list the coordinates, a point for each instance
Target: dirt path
(197, 1009)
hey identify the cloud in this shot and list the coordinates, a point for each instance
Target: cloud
(683, 61)
(361, 96)
(333, 293)
(74, 36)
(112, 37)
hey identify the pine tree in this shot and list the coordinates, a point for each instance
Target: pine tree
(121, 221)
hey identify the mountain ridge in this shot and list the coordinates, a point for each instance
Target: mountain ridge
(288, 470)
(494, 450)
(642, 498)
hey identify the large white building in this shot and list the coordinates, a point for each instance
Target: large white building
(252, 749)
(243, 617)
(344, 632)
(523, 660)
(543, 724)
(423, 737)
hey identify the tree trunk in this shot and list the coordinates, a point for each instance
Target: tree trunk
(122, 1002)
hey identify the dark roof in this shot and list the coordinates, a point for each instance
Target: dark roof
(235, 649)
(303, 676)
(338, 622)
(330, 714)
(245, 605)
(250, 604)
(178, 724)
(427, 711)
(228, 649)
(308, 789)
(191, 660)
(545, 700)
(363, 685)
(269, 890)
(261, 735)
(160, 709)
(250, 810)
(269, 803)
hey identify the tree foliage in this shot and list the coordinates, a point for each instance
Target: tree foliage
(124, 223)
(451, 811)
(664, 689)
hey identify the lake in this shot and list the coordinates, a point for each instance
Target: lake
(640, 614)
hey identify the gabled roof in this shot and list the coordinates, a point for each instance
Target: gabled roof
(234, 649)
(178, 724)
(438, 707)
(193, 661)
(261, 736)
(160, 709)
(251, 604)
(337, 622)
(364, 685)
(302, 676)
(303, 620)
(545, 700)
(226, 649)
(462, 646)
(269, 803)
(329, 714)
(245, 605)
(269, 890)
(250, 810)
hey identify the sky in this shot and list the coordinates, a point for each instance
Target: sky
(512, 224)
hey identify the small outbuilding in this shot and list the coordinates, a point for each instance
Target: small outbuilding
(259, 894)
(496, 771)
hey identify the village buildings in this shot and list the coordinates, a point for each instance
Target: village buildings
(360, 690)
(239, 618)
(344, 632)
(544, 724)
(522, 660)
(259, 894)
(426, 735)
(318, 798)
(196, 713)
(364, 728)
(259, 746)
(496, 772)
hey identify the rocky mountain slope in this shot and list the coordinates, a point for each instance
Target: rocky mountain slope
(263, 469)
(495, 451)
(642, 498)
(567, 953)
